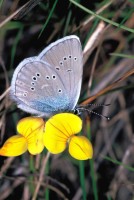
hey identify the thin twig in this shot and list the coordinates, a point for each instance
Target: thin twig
(4, 93)
(44, 162)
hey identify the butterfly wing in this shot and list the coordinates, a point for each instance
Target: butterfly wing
(66, 56)
(51, 82)
(38, 89)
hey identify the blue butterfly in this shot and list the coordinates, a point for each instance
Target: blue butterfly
(50, 82)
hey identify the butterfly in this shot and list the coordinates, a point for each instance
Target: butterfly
(50, 83)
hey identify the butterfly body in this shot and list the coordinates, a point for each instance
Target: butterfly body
(50, 82)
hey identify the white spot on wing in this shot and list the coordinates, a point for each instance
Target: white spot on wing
(43, 86)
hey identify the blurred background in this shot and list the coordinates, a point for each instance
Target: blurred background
(106, 31)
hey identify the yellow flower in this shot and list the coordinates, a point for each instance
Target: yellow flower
(60, 130)
(80, 148)
(30, 138)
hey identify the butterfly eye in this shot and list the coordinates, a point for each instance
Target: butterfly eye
(34, 78)
(75, 58)
(69, 56)
(65, 58)
(32, 83)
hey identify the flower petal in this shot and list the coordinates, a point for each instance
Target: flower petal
(67, 123)
(35, 141)
(14, 146)
(58, 129)
(32, 128)
(80, 148)
(28, 125)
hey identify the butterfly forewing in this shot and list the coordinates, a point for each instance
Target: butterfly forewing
(66, 57)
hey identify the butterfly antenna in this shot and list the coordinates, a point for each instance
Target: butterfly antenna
(91, 111)
(98, 105)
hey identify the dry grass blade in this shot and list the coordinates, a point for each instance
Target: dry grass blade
(4, 93)
(93, 40)
(108, 88)
(26, 9)
(44, 162)
(13, 15)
